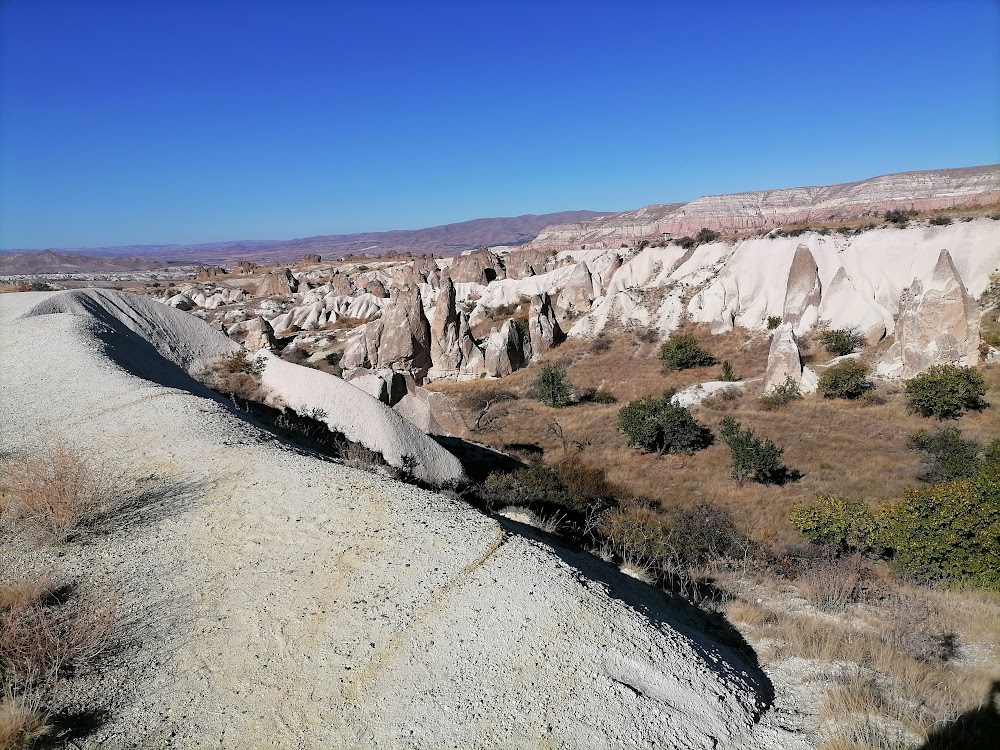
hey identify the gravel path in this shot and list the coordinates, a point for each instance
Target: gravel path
(282, 600)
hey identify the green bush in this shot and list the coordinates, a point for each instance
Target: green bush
(333, 358)
(706, 235)
(684, 352)
(781, 394)
(553, 387)
(898, 217)
(845, 380)
(727, 375)
(951, 456)
(941, 221)
(946, 392)
(845, 525)
(841, 341)
(949, 531)
(569, 484)
(658, 425)
(773, 321)
(750, 456)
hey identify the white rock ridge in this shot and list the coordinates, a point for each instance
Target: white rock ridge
(295, 602)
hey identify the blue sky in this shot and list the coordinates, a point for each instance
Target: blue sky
(161, 122)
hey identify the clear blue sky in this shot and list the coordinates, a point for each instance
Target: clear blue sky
(159, 122)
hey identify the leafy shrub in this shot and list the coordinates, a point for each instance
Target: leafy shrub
(750, 456)
(727, 375)
(781, 394)
(773, 321)
(599, 396)
(333, 358)
(841, 341)
(898, 217)
(845, 380)
(569, 484)
(600, 344)
(952, 456)
(949, 531)
(873, 398)
(658, 425)
(706, 235)
(946, 392)
(941, 221)
(553, 387)
(684, 352)
(845, 525)
(688, 243)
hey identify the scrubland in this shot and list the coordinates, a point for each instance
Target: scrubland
(875, 658)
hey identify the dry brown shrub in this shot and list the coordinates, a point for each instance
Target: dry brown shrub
(21, 724)
(59, 490)
(41, 637)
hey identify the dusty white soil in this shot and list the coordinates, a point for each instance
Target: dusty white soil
(275, 599)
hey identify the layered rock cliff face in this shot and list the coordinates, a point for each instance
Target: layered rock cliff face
(766, 209)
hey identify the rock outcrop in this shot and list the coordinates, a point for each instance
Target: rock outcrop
(577, 293)
(478, 267)
(400, 339)
(543, 328)
(454, 352)
(209, 272)
(803, 291)
(507, 350)
(259, 335)
(938, 324)
(277, 282)
(783, 360)
(520, 264)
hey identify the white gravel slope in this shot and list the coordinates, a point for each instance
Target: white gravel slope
(291, 602)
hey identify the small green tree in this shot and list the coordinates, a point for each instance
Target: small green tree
(841, 341)
(706, 235)
(553, 387)
(684, 352)
(952, 456)
(946, 392)
(773, 321)
(898, 217)
(845, 525)
(781, 394)
(750, 456)
(949, 531)
(727, 375)
(658, 425)
(845, 380)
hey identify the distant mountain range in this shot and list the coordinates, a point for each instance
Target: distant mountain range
(448, 239)
(565, 230)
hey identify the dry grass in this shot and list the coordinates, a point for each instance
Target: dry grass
(21, 724)
(59, 491)
(898, 666)
(845, 448)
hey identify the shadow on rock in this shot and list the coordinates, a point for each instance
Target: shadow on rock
(714, 637)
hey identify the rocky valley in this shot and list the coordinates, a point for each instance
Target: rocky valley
(392, 501)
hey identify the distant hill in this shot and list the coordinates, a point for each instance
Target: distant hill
(449, 239)
(766, 209)
(49, 262)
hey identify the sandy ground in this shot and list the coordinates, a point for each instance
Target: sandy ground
(270, 598)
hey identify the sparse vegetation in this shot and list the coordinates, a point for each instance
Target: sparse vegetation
(773, 321)
(781, 395)
(946, 392)
(751, 457)
(941, 221)
(684, 352)
(951, 456)
(553, 387)
(841, 341)
(899, 217)
(656, 424)
(847, 380)
(727, 375)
